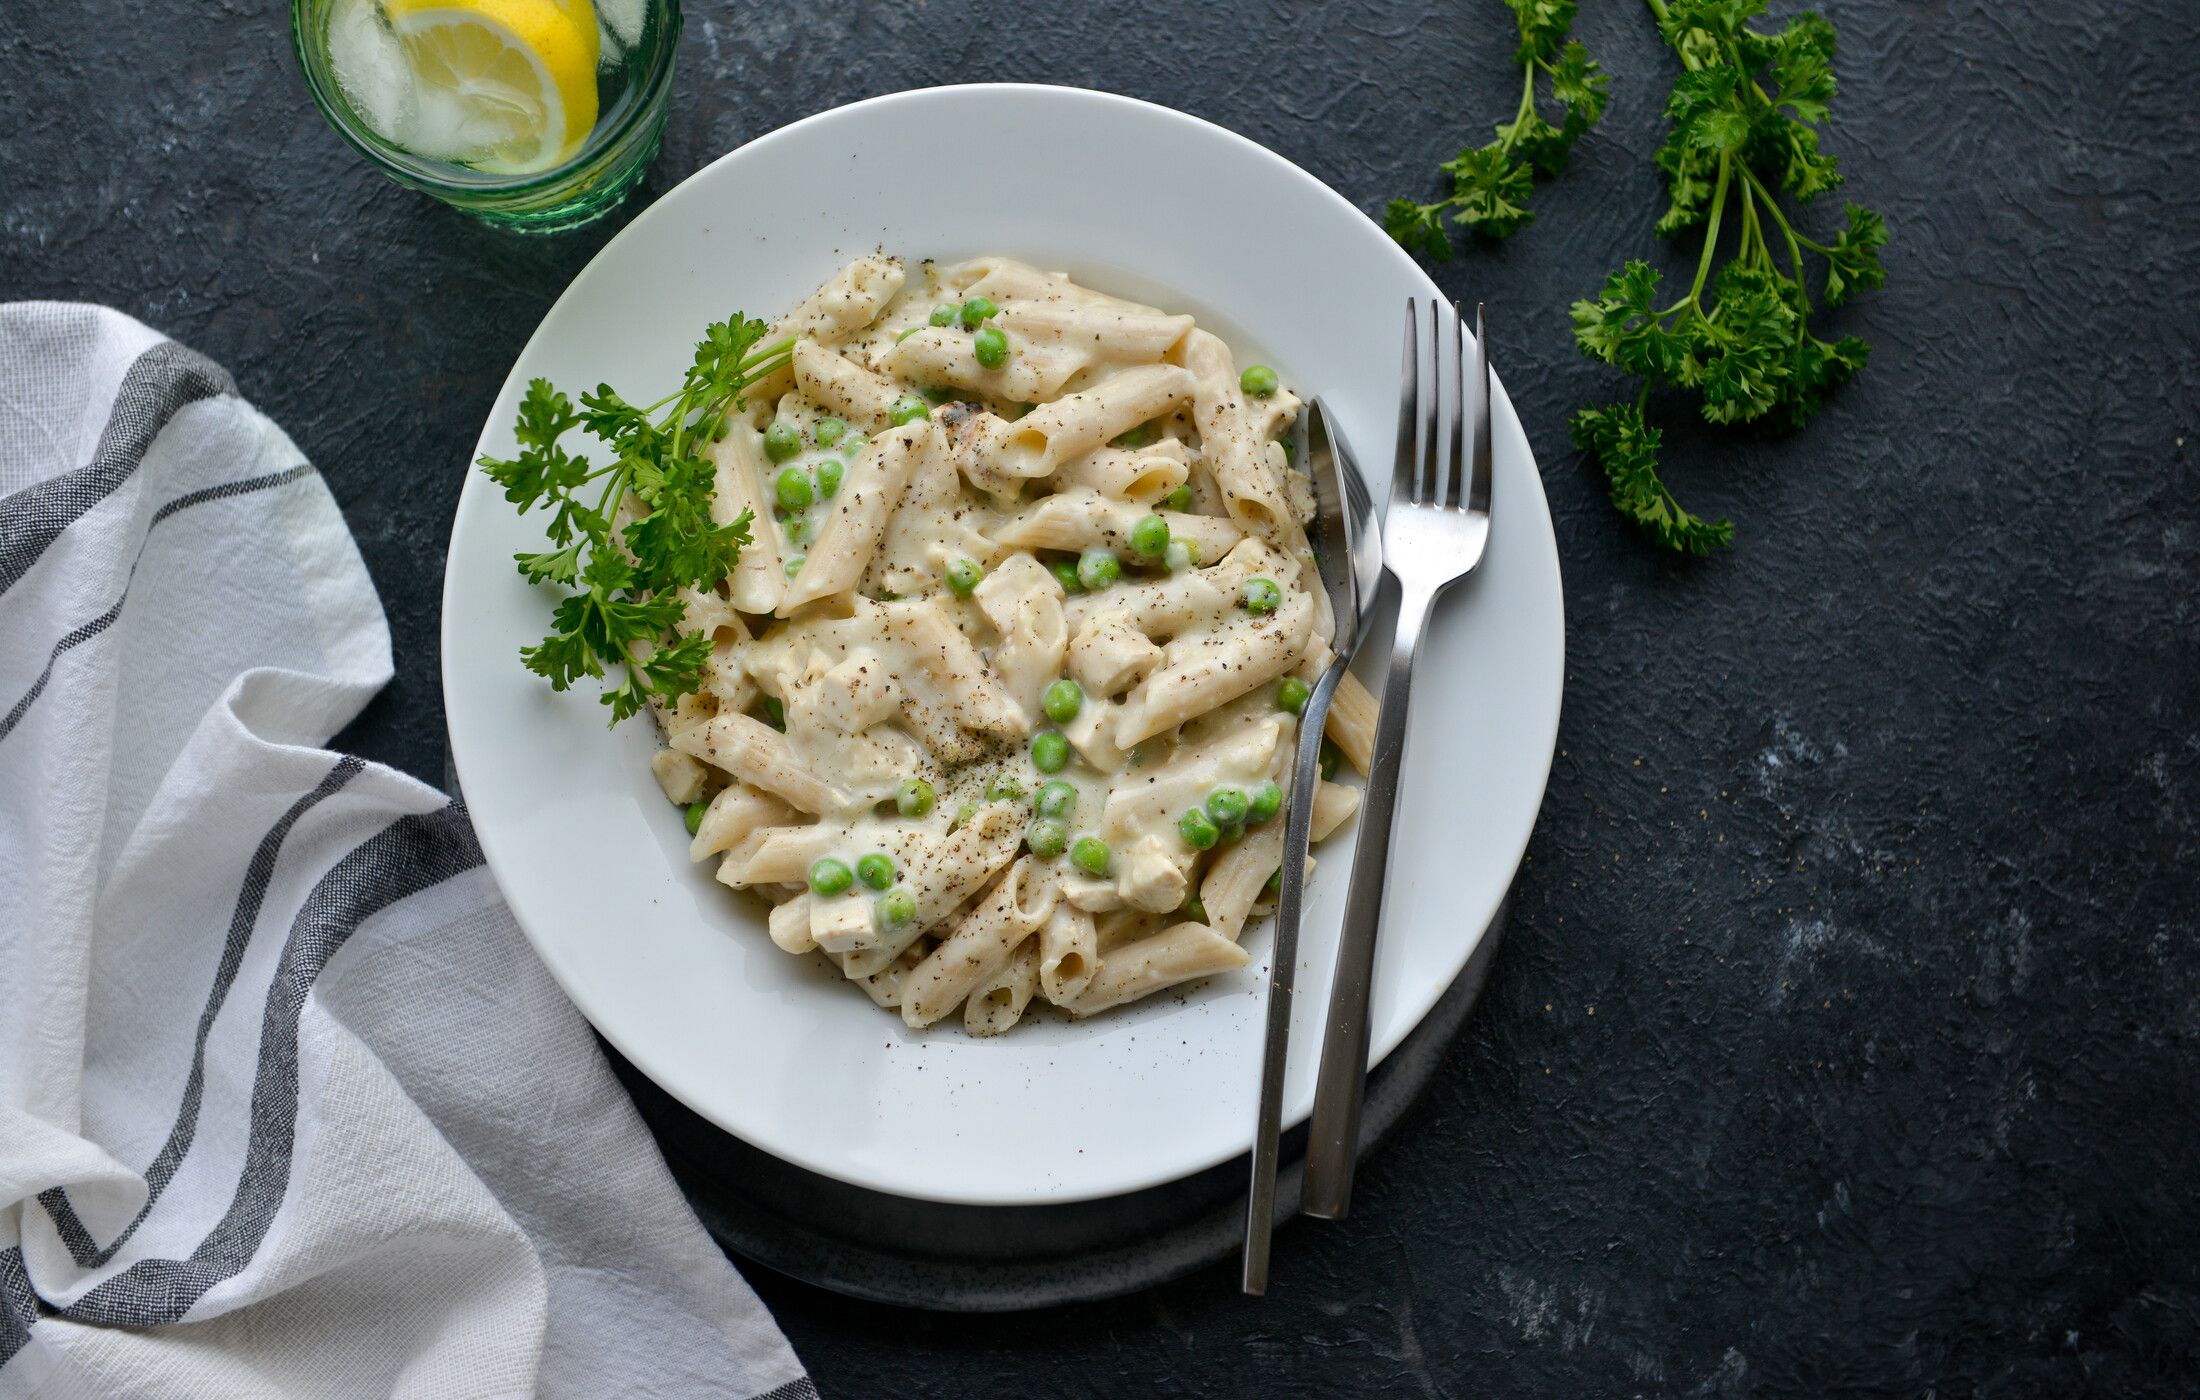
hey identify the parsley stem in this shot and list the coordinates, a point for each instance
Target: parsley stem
(1527, 107)
(782, 346)
(1711, 229)
(1753, 241)
(1795, 253)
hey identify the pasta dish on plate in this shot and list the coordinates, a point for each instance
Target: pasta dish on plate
(1001, 696)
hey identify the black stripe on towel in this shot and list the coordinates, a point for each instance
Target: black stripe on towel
(409, 855)
(18, 1304)
(106, 619)
(88, 1252)
(158, 383)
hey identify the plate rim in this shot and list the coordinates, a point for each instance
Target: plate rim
(1417, 1003)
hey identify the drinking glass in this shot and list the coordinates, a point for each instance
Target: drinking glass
(633, 78)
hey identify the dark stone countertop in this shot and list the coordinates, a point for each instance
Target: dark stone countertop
(1847, 1037)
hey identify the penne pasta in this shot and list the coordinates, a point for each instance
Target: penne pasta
(1068, 952)
(1351, 722)
(842, 386)
(873, 488)
(1009, 914)
(1142, 474)
(757, 579)
(997, 1003)
(990, 705)
(852, 300)
(1179, 953)
(1080, 518)
(733, 815)
(1072, 426)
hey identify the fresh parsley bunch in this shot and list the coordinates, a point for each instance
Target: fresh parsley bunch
(1490, 184)
(625, 607)
(1743, 116)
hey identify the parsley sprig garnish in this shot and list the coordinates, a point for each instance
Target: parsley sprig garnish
(625, 607)
(1743, 114)
(1490, 184)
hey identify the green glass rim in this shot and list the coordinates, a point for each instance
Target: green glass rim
(646, 105)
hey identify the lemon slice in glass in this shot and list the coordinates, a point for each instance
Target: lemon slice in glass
(505, 86)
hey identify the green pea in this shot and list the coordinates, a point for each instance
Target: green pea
(781, 440)
(896, 907)
(830, 875)
(1065, 574)
(1291, 694)
(1331, 756)
(1267, 800)
(963, 574)
(792, 487)
(800, 532)
(1097, 568)
(695, 814)
(1198, 832)
(792, 565)
(1259, 381)
(906, 334)
(991, 347)
(1136, 437)
(1063, 700)
(1193, 909)
(1227, 807)
(775, 712)
(1056, 799)
(915, 797)
(944, 314)
(1004, 788)
(1150, 536)
(828, 431)
(1179, 499)
(975, 310)
(963, 814)
(1090, 855)
(876, 870)
(1046, 837)
(1290, 449)
(1261, 596)
(1049, 751)
(936, 397)
(907, 409)
(829, 473)
(1275, 881)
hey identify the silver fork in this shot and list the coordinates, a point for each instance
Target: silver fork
(1434, 531)
(1348, 556)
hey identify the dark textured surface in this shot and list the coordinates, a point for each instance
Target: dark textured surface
(1847, 1037)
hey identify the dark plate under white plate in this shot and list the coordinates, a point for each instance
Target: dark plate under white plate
(961, 1258)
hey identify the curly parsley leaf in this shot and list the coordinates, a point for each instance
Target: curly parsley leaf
(1490, 185)
(625, 611)
(1627, 449)
(1852, 263)
(1741, 133)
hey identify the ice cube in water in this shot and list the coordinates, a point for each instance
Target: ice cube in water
(371, 69)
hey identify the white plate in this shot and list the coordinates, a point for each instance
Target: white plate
(674, 969)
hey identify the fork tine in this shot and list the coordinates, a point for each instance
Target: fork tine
(1409, 402)
(1462, 424)
(1426, 463)
(1450, 373)
(1485, 411)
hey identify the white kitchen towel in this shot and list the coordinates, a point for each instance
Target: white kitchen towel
(287, 1106)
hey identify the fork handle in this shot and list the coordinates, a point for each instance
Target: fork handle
(1333, 1141)
(1260, 1205)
